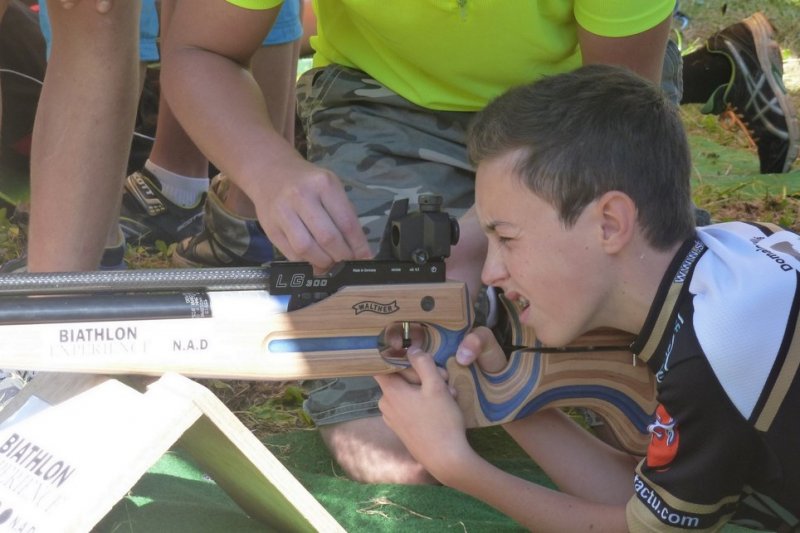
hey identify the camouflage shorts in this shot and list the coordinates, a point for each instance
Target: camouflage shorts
(384, 148)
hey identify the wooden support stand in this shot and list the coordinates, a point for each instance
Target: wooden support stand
(64, 467)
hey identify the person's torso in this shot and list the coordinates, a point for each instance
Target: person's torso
(725, 439)
(458, 54)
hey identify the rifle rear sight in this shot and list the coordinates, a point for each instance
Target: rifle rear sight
(412, 250)
(425, 235)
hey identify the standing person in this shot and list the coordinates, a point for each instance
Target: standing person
(82, 132)
(164, 200)
(385, 112)
(714, 310)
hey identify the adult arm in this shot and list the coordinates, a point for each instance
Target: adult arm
(643, 52)
(302, 208)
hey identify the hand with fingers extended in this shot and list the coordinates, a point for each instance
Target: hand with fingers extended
(309, 217)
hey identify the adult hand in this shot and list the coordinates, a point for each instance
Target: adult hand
(102, 6)
(309, 217)
(425, 417)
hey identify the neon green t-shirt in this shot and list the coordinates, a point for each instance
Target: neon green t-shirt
(458, 54)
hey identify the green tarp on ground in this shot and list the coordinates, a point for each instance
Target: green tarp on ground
(174, 496)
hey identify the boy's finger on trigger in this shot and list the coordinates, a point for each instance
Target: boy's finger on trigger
(421, 362)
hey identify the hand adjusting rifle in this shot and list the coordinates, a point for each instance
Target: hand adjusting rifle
(281, 321)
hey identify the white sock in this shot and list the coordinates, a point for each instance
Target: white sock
(184, 191)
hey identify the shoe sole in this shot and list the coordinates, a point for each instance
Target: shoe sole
(768, 50)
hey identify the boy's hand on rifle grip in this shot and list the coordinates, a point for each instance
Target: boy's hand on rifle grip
(425, 416)
(481, 346)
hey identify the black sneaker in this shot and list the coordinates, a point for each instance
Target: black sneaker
(148, 216)
(756, 92)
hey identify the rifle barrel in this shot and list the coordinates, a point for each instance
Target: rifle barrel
(155, 280)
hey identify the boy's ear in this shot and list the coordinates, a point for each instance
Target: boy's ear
(618, 219)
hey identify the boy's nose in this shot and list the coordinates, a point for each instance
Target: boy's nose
(493, 269)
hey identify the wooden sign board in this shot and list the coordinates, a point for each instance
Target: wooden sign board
(63, 468)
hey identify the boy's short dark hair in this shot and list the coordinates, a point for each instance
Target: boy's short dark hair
(593, 130)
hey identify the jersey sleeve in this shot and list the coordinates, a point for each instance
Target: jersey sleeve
(255, 4)
(700, 456)
(621, 18)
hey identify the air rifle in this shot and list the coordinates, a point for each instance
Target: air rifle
(284, 322)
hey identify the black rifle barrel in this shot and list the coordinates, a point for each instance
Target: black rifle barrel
(177, 279)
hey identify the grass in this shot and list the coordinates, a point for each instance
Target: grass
(268, 407)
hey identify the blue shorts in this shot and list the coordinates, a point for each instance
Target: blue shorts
(287, 28)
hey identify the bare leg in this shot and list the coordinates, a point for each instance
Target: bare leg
(173, 149)
(82, 133)
(369, 452)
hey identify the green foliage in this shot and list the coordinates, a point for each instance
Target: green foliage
(708, 16)
(158, 256)
(281, 412)
(12, 238)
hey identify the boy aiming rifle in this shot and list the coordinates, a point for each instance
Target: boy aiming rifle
(583, 190)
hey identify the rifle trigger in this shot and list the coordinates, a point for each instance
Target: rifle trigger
(406, 334)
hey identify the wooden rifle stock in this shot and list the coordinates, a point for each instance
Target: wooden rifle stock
(595, 372)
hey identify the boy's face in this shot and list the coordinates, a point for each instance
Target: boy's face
(554, 273)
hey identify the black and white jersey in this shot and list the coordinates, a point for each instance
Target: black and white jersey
(721, 339)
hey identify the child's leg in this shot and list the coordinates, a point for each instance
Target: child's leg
(82, 133)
